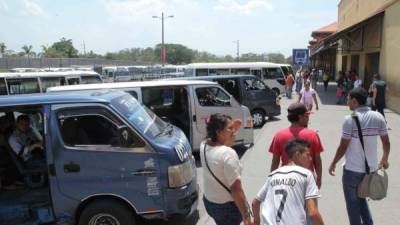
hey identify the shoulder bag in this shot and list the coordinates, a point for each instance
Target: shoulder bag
(374, 184)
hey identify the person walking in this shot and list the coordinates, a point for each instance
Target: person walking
(314, 78)
(299, 80)
(298, 116)
(372, 125)
(357, 81)
(290, 192)
(379, 89)
(325, 79)
(224, 198)
(289, 85)
(307, 96)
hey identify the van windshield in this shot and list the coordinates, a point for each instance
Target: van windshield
(149, 123)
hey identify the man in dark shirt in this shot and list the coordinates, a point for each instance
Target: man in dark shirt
(379, 88)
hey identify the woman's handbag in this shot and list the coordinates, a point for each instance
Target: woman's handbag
(374, 184)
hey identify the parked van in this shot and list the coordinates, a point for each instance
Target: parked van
(270, 73)
(185, 104)
(250, 91)
(37, 82)
(107, 159)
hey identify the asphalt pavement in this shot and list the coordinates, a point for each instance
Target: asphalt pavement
(327, 121)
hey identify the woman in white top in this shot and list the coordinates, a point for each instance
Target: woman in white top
(357, 82)
(307, 95)
(224, 198)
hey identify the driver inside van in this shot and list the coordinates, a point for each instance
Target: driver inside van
(26, 143)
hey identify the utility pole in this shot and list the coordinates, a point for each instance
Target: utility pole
(237, 50)
(84, 48)
(163, 51)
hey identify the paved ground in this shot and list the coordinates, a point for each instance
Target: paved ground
(328, 122)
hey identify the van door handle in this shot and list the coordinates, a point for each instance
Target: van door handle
(72, 168)
(144, 172)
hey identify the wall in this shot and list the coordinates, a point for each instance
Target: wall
(353, 11)
(8, 63)
(390, 55)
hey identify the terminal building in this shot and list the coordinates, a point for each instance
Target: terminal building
(367, 40)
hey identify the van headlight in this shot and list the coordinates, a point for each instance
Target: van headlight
(180, 175)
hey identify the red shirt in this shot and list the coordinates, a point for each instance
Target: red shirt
(282, 137)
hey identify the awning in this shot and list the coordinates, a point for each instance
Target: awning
(332, 39)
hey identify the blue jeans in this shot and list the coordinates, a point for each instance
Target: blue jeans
(223, 214)
(357, 208)
(289, 92)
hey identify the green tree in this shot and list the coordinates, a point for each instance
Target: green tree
(289, 60)
(62, 48)
(27, 50)
(275, 58)
(176, 53)
(3, 48)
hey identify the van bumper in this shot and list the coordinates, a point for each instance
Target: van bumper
(182, 202)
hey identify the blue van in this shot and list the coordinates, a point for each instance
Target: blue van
(107, 160)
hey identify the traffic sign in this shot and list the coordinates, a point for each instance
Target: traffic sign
(300, 57)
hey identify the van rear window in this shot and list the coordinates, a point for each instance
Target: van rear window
(23, 86)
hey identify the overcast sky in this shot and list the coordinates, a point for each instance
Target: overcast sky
(207, 25)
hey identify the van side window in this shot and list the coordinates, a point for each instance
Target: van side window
(273, 73)
(231, 86)
(212, 96)
(47, 82)
(97, 129)
(254, 85)
(23, 86)
(3, 88)
(158, 97)
(201, 72)
(90, 79)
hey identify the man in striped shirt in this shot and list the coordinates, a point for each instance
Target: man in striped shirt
(372, 125)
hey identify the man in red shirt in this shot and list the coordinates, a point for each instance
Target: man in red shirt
(298, 117)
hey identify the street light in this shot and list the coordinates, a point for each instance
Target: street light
(163, 52)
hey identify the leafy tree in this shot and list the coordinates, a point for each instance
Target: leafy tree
(289, 60)
(27, 50)
(275, 58)
(176, 53)
(2, 49)
(62, 48)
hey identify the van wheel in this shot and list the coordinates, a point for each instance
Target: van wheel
(107, 212)
(277, 91)
(258, 118)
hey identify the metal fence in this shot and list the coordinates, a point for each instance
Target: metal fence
(9, 63)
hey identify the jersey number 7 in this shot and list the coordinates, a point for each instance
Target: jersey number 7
(284, 194)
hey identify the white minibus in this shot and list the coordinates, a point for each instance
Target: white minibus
(270, 73)
(37, 82)
(185, 104)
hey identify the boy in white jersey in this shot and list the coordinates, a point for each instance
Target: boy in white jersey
(290, 191)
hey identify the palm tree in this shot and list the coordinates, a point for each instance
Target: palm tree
(27, 50)
(2, 49)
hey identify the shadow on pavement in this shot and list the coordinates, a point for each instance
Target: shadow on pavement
(192, 220)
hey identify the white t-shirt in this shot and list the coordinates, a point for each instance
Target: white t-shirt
(357, 83)
(372, 125)
(307, 96)
(225, 164)
(284, 194)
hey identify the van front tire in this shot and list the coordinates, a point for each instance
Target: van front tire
(258, 118)
(109, 212)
